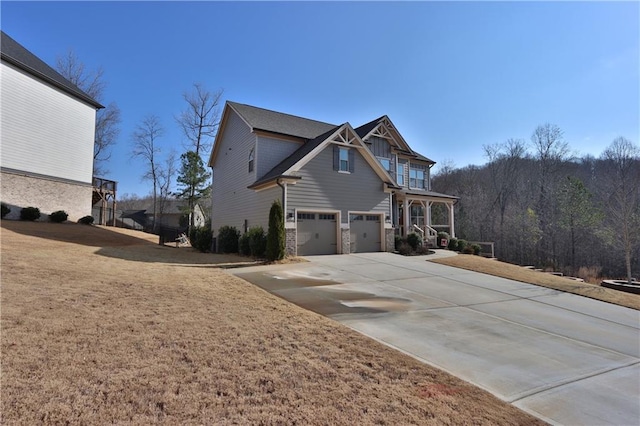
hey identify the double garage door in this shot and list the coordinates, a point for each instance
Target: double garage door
(317, 233)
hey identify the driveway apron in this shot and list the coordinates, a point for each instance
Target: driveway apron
(564, 358)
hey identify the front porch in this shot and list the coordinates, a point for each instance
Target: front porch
(424, 213)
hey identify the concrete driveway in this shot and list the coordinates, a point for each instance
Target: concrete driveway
(566, 359)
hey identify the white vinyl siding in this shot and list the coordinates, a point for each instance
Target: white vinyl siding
(321, 188)
(44, 130)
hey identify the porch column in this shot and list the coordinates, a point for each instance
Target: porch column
(451, 223)
(407, 217)
(428, 213)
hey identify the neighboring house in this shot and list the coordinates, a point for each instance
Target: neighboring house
(48, 127)
(139, 214)
(344, 190)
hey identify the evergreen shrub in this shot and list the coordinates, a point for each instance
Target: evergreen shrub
(228, 237)
(30, 213)
(58, 216)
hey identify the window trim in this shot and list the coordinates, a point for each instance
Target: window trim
(252, 156)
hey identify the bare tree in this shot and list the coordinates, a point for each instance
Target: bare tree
(107, 119)
(550, 150)
(623, 186)
(145, 147)
(199, 121)
(165, 178)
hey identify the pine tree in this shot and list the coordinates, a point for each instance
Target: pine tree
(192, 181)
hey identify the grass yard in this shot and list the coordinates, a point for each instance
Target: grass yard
(102, 325)
(518, 273)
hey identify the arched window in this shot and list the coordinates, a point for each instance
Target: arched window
(251, 156)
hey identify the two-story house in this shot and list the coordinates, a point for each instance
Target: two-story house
(343, 189)
(48, 127)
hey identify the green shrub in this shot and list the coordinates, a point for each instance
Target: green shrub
(462, 244)
(201, 238)
(467, 249)
(442, 235)
(405, 249)
(58, 216)
(398, 240)
(228, 237)
(414, 240)
(276, 234)
(86, 220)
(30, 213)
(243, 245)
(5, 210)
(453, 244)
(257, 241)
(476, 249)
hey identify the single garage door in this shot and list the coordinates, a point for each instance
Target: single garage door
(365, 233)
(316, 234)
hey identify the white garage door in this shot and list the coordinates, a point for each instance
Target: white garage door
(316, 233)
(365, 233)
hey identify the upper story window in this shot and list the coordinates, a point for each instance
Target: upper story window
(400, 174)
(417, 177)
(251, 158)
(343, 159)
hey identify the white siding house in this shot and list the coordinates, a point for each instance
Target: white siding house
(343, 190)
(47, 128)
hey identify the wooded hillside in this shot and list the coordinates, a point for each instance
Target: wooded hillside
(544, 207)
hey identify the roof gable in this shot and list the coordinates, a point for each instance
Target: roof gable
(383, 127)
(341, 135)
(17, 55)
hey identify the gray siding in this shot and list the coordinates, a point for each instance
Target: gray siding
(233, 202)
(323, 188)
(380, 147)
(270, 152)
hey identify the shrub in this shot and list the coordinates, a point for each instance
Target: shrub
(453, 244)
(404, 249)
(476, 249)
(414, 240)
(467, 249)
(201, 238)
(276, 234)
(442, 235)
(58, 216)
(243, 245)
(30, 213)
(86, 220)
(462, 244)
(228, 237)
(5, 210)
(398, 240)
(257, 241)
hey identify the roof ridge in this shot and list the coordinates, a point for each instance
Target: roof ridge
(232, 103)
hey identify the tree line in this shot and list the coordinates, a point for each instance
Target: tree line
(198, 121)
(543, 206)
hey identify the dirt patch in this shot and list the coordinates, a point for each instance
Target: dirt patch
(518, 273)
(100, 326)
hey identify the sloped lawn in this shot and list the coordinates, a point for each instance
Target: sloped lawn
(103, 326)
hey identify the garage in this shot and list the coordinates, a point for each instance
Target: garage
(316, 233)
(365, 233)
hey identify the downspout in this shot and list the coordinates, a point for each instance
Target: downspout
(284, 199)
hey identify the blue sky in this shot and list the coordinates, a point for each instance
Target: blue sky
(452, 76)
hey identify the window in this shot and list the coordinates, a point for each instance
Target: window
(373, 218)
(417, 216)
(416, 178)
(386, 163)
(323, 216)
(343, 159)
(307, 216)
(401, 174)
(251, 157)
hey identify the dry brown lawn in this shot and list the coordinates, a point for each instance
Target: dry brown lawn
(518, 273)
(101, 325)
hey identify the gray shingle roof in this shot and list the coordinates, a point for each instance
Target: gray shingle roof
(14, 53)
(291, 160)
(277, 122)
